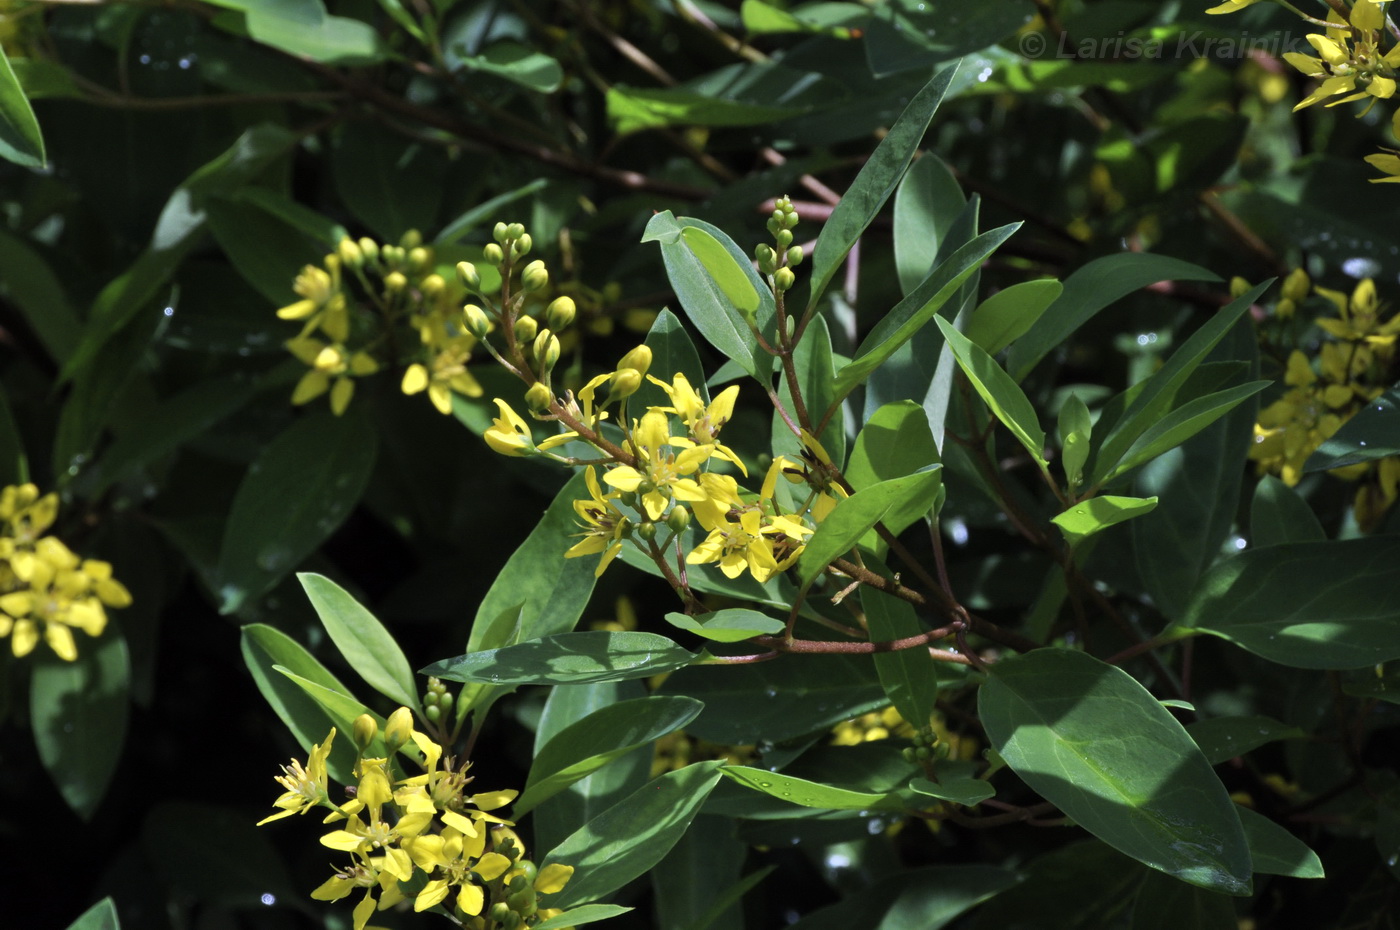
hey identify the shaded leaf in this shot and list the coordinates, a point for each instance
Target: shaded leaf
(1166, 904)
(567, 658)
(927, 898)
(965, 791)
(1373, 433)
(1276, 851)
(518, 64)
(364, 642)
(1278, 515)
(1002, 395)
(926, 205)
(809, 793)
(1224, 738)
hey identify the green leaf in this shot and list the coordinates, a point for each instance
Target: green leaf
(698, 883)
(487, 211)
(926, 205)
(78, 712)
(805, 793)
(910, 314)
(1224, 738)
(20, 139)
(1276, 851)
(965, 791)
(589, 744)
(1373, 433)
(518, 64)
(731, 625)
(1323, 605)
(894, 442)
(1010, 313)
(672, 353)
(1166, 904)
(774, 701)
(909, 676)
(1089, 290)
(302, 28)
(723, 269)
(1091, 740)
(1182, 423)
(926, 899)
(568, 658)
(1097, 513)
(631, 109)
(1005, 398)
(366, 165)
(14, 464)
(629, 838)
(1103, 881)
(364, 642)
(875, 183)
(813, 360)
(1278, 515)
(32, 287)
(296, 493)
(574, 917)
(101, 916)
(854, 515)
(267, 251)
(233, 874)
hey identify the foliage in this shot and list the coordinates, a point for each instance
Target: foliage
(804, 459)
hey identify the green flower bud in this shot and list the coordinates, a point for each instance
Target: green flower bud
(794, 256)
(547, 351)
(783, 238)
(774, 224)
(500, 911)
(433, 713)
(908, 753)
(393, 255)
(535, 276)
(365, 730)
(466, 273)
(764, 253)
(1296, 286)
(639, 359)
(419, 259)
(500, 232)
(445, 702)
(411, 239)
(790, 219)
(784, 279)
(647, 530)
(492, 254)
(350, 254)
(478, 324)
(515, 230)
(435, 686)
(369, 249)
(523, 245)
(1238, 287)
(395, 281)
(678, 519)
(506, 842)
(432, 286)
(923, 753)
(560, 313)
(539, 397)
(525, 329)
(625, 382)
(398, 729)
(941, 751)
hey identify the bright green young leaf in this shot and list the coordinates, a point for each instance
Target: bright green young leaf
(78, 712)
(1278, 515)
(760, 18)
(567, 658)
(578, 916)
(809, 793)
(629, 838)
(1008, 314)
(519, 65)
(1183, 423)
(926, 205)
(1276, 851)
(1091, 740)
(364, 642)
(727, 273)
(101, 916)
(965, 791)
(296, 493)
(927, 899)
(875, 183)
(20, 139)
(1325, 605)
(1373, 433)
(1164, 903)
(1224, 738)
(1089, 290)
(731, 625)
(1097, 513)
(1076, 428)
(1005, 398)
(854, 515)
(302, 28)
(909, 676)
(591, 743)
(635, 108)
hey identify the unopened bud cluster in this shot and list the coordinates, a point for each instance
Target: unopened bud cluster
(778, 260)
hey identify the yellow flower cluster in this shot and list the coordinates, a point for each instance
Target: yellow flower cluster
(342, 340)
(46, 590)
(422, 837)
(1352, 368)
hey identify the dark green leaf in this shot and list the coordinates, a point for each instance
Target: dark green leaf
(895, 441)
(296, 493)
(1373, 433)
(965, 791)
(1009, 314)
(1224, 738)
(1182, 423)
(101, 916)
(633, 108)
(589, 744)
(875, 183)
(303, 29)
(519, 65)
(698, 882)
(1163, 903)
(672, 353)
(1279, 515)
(632, 836)
(854, 515)
(237, 871)
(1005, 398)
(1325, 605)
(928, 202)
(909, 676)
(78, 711)
(20, 139)
(1091, 740)
(574, 917)
(927, 898)
(364, 642)
(36, 292)
(366, 166)
(731, 625)
(1103, 881)
(568, 658)
(1276, 851)
(267, 251)
(809, 793)
(487, 211)
(815, 375)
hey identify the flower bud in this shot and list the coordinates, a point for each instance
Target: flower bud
(393, 255)
(784, 279)
(364, 732)
(433, 713)
(419, 259)
(435, 685)
(395, 281)
(432, 286)
(678, 519)
(625, 382)
(794, 256)
(398, 729)
(525, 329)
(523, 245)
(500, 232)
(492, 254)
(445, 701)
(647, 530)
(535, 276)
(466, 273)
(560, 313)
(546, 351)
(369, 249)
(1238, 287)
(783, 238)
(1296, 286)
(639, 359)
(350, 254)
(774, 224)
(1285, 309)
(411, 239)
(477, 322)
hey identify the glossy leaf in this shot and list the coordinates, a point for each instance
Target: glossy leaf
(1183, 423)
(1373, 433)
(78, 712)
(1005, 398)
(909, 676)
(1224, 738)
(1091, 740)
(578, 916)
(568, 658)
(1327, 605)
(731, 625)
(591, 743)
(965, 791)
(1098, 513)
(20, 139)
(854, 515)
(364, 642)
(1089, 290)
(296, 493)
(1166, 904)
(927, 898)
(101, 916)
(629, 838)
(1010, 313)
(875, 182)
(927, 203)
(1276, 851)
(809, 793)
(1279, 515)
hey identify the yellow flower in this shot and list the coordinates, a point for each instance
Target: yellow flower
(448, 374)
(306, 787)
(332, 369)
(323, 304)
(603, 524)
(508, 433)
(1232, 6)
(661, 473)
(703, 422)
(1350, 61)
(758, 542)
